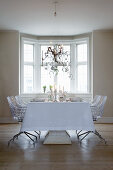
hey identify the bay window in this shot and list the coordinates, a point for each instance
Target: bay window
(35, 75)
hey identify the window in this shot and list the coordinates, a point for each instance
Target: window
(81, 68)
(34, 75)
(28, 68)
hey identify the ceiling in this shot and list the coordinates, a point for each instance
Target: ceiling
(73, 16)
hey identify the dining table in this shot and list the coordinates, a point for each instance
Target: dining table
(58, 117)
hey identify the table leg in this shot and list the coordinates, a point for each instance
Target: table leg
(57, 137)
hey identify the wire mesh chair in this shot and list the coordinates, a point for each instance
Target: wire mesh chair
(20, 101)
(97, 110)
(18, 112)
(95, 100)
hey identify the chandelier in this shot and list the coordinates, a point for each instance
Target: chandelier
(54, 57)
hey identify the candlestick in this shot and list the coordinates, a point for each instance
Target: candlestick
(55, 95)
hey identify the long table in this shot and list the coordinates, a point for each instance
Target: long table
(58, 116)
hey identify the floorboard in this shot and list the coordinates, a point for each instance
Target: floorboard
(91, 154)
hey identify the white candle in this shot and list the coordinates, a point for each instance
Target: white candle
(54, 87)
(63, 89)
(59, 88)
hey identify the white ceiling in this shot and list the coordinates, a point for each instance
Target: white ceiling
(73, 16)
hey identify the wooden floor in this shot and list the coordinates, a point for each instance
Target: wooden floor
(92, 154)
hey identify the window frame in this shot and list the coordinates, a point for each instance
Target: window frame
(88, 63)
(37, 63)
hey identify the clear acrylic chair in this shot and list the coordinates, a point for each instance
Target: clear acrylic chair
(18, 112)
(97, 110)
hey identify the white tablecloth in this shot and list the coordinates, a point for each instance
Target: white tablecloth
(58, 116)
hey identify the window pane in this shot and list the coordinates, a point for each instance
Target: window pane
(44, 49)
(28, 52)
(66, 48)
(28, 79)
(63, 79)
(47, 79)
(82, 78)
(82, 52)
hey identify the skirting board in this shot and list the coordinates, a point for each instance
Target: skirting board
(101, 120)
(105, 120)
(4, 120)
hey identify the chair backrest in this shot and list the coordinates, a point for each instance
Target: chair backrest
(20, 102)
(17, 111)
(12, 105)
(95, 100)
(98, 109)
(101, 104)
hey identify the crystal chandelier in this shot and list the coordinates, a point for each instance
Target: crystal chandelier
(56, 56)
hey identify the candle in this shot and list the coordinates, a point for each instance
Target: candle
(63, 89)
(59, 88)
(54, 87)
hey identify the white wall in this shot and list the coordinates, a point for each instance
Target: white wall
(103, 67)
(9, 68)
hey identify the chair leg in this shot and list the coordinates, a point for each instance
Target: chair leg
(97, 133)
(31, 134)
(18, 134)
(78, 132)
(38, 133)
(14, 137)
(83, 133)
(88, 132)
